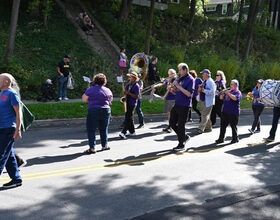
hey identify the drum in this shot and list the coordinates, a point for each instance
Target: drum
(267, 92)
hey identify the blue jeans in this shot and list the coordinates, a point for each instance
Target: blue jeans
(7, 154)
(276, 116)
(62, 93)
(139, 112)
(98, 118)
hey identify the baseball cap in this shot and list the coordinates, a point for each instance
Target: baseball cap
(67, 56)
(205, 71)
(260, 81)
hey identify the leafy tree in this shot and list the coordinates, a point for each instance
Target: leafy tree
(192, 13)
(13, 27)
(238, 29)
(149, 28)
(125, 9)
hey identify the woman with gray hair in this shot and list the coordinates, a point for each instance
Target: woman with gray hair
(230, 111)
(10, 128)
(220, 85)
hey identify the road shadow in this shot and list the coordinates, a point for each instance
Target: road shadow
(205, 148)
(253, 149)
(52, 159)
(139, 160)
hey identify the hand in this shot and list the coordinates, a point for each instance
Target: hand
(126, 92)
(176, 84)
(17, 135)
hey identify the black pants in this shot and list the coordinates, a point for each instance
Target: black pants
(216, 110)
(227, 119)
(128, 121)
(178, 117)
(194, 107)
(257, 109)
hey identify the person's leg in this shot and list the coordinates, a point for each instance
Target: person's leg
(276, 115)
(131, 127)
(233, 119)
(181, 131)
(255, 122)
(194, 104)
(103, 126)
(208, 125)
(204, 112)
(64, 90)
(129, 120)
(140, 112)
(60, 87)
(92, 120)
(259, 112)
(7, 155)
(224, 124)
(213, 115)
(174, 119)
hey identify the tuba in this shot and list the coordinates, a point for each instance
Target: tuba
(139, 63)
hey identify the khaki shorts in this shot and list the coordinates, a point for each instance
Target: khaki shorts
(168, 104)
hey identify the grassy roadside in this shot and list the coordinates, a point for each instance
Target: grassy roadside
(77, 110)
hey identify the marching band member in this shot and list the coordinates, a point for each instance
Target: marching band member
(132, 90)
(169, 100)
(206, 96)
(257, 107)
(184, 88)
(230, 111)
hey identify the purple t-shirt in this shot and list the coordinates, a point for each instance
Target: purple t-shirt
(134, 89)
(170, 95)
(230, 106)
(198, 81)
(99, 97)
(187, 82)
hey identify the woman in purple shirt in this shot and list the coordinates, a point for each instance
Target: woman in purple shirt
(99, 99)
(220, 85)
(230, 112)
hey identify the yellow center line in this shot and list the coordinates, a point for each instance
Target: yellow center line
(101, 166)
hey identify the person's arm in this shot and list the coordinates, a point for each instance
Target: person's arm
(231, 96)
(179, 87)
(17, 110)
(210, 88)
(158, 85)
(85, 98)
(59, 72)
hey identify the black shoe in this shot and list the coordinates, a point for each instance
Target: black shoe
(268, 140)
(219, 141)
(179, 148)
(234, 141)
(22, 163)
(140, 126)
(167, 130)
(198, 131)
(187, 138)
(12, 184)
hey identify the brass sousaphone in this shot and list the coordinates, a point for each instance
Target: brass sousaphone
(139, 63)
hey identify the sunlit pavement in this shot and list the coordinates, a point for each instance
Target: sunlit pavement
(137, 175)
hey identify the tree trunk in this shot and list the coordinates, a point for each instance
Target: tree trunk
(237, 38)
(192, 13)
(13, 28)
(149, 28)
(125, 9)
(203, 6)
(250, 26)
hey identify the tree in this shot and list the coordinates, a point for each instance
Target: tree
(13, 28)
(238, 29)
(125, 9)
(149, 28)
(252, 16)
(192, 13)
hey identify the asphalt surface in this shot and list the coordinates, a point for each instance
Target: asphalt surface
(141, 176)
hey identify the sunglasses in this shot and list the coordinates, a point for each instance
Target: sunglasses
(218, 75)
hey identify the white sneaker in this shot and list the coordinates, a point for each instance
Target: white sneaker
(59, 98)
(122, 135)
(131, 134)
(65, 98)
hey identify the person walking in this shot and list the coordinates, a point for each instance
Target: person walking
(99, 99)
(275, 120)
(63, 69)
(184, 87)
(230, 111)
(206, 93)
(169, 97)
(257, 108)
(220, 85)
(139, 106)
(10, 128)
(197, 81)
(132, 90)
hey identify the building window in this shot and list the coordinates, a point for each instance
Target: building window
(224, 9)
(210, 8)
(175, 1)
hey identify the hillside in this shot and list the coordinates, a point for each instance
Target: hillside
(38, 51)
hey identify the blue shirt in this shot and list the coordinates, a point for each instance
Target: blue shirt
(256, 94)
(8, 99)
(187, 82)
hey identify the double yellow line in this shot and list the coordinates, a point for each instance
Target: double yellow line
(101, 166)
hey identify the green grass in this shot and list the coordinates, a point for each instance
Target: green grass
(78, 110)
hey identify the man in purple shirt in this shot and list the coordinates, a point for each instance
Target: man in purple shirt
(230, 111)
(132, 91)
(184, 87)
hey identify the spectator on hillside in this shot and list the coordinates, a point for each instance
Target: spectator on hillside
(122, 62)
(63, 69)
(153, 75)
(88, 24)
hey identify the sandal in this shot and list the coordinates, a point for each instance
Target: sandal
(105, 148)
(89, 151)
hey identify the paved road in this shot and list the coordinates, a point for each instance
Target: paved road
(137, 175)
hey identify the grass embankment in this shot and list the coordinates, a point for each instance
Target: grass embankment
(79, 109)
